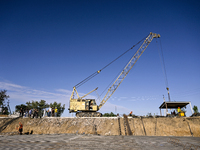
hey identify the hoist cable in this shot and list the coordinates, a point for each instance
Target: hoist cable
(86, 79)
(123, 53)
(115, 77)
(112, 81)
(97, 72)
(162, 63)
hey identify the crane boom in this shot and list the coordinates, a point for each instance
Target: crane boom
(128, 67)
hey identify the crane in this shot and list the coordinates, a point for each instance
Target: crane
(88, 107)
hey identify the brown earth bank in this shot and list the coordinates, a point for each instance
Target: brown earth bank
(184, 126)
(3, 115)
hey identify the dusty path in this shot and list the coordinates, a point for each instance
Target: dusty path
(73, 141)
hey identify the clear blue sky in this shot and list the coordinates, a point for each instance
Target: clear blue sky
(49, 46)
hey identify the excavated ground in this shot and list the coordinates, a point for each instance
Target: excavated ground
(184, 126)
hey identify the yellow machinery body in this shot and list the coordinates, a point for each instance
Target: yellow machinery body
(77, 105)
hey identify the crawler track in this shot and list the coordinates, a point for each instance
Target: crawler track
(88, 114)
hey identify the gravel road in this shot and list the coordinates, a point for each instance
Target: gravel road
(73, 141)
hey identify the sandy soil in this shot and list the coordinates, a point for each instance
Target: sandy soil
(108, 126)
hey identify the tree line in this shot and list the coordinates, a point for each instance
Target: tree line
(40, 106)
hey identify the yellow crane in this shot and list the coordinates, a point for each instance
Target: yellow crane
(88, 107)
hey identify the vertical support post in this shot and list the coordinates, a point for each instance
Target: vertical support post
(191, 108)
(160, 113)
(166, 108)
(168, 93)
(120, 133)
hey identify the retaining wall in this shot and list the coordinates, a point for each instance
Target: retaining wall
(185, 126)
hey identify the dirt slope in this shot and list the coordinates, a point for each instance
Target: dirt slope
(108, 126)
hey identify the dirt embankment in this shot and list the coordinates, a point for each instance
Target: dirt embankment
(108, 126)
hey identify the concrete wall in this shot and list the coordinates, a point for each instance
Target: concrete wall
(109, 126)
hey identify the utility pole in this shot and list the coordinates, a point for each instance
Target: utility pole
(8, 107)
(165, 104)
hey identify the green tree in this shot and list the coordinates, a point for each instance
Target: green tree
(33, 105)
(37, 105)
(3, 97)
(5, 110)
(149, 115)
(18, 107)
(109, 115)
(43, 104)
(195, 108)
(59, 107)
(40, 106)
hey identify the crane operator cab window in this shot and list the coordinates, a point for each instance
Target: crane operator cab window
(91, 104)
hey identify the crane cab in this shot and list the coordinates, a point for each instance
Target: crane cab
(87, 105)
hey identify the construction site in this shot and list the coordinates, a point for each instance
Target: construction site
(89, 129)
(182, 126)
(101, 132)
(100, 74)
(89, 119)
